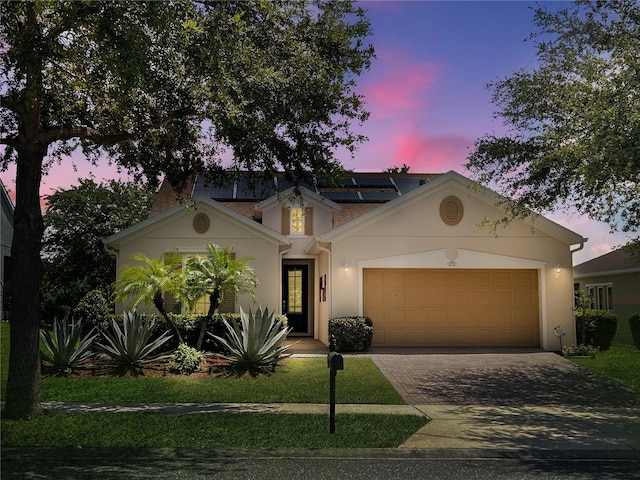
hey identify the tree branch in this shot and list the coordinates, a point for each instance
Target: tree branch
(54, 134)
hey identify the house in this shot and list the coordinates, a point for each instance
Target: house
(402, 249)
(613, 283)
(6, 236)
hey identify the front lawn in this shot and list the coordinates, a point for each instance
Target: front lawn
(298, 380)
(304, 380)
(217, 430)
(620, 363)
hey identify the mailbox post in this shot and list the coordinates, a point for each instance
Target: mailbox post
(335, 362)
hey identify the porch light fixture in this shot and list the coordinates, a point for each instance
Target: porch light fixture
(557, 270)
(346, 266)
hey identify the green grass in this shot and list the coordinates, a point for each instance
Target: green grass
(233, 430)
(620, 363)
(299, 380)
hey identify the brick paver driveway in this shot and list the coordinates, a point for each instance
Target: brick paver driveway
(512, 400)
(506, 378)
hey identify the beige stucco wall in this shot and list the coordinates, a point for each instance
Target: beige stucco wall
(415, 236)
(177, 234)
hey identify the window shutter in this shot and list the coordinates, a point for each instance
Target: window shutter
(286, 221)
(308, 221)
(228, 305)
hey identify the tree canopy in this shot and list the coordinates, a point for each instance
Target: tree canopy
(76, 221)
(162, 88)
(574, 121)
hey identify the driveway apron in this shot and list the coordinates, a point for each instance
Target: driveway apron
(509, 399)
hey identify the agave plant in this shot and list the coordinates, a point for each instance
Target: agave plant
(254, 346)
(131, 347)
(66, 347)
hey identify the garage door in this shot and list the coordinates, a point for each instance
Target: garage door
(451, 307)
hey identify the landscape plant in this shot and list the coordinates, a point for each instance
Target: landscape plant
(215, 273)
(131, 347)
(254, 344)
(351, 334)
(186, 359)
(94, 309)
(148, 281)
(65, 345)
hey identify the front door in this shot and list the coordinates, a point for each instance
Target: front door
(295, 297)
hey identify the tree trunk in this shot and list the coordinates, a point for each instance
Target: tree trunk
(23, 383)
(158, 301)
(214, 303)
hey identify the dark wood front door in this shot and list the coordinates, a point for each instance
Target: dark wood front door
(295, 297)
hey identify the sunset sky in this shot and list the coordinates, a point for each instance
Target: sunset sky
(426, 92)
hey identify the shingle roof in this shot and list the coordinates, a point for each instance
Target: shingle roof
(620, 259)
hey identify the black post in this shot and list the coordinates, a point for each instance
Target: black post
(332, 401)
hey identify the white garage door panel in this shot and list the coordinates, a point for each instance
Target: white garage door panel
(445, 307)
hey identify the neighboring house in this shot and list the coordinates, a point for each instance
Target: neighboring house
(403, 249)
(6, 235)
(613, 282)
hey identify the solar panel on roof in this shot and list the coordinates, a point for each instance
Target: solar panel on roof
(341, 196)
(383, 182)
(406, 184)
(378, 196)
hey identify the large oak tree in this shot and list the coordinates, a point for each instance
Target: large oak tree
(160, 88)
(574, 120)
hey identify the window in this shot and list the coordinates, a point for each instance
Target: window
(297, 221)
(295, 291)
(601, 295)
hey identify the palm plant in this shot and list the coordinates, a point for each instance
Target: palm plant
(131, 347)
(67, 347)
(148, 281)
(254, 346)
(213, 274)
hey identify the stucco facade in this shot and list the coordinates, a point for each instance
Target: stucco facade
(409, 233)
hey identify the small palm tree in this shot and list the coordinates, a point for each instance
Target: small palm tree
(214, 274)
(148, 281)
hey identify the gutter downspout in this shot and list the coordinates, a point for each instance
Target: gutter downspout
(577, 249)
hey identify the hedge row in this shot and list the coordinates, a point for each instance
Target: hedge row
(634, 324)
(596, 328)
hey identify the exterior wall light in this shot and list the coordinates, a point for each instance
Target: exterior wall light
(557, 271)
(346, 266)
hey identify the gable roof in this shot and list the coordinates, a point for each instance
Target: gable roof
(483, 194)
(170, 214)
(617, 261)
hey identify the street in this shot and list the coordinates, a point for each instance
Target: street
(187, 464)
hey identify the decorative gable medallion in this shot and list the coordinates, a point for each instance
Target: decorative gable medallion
(451, 210)
(201, 223)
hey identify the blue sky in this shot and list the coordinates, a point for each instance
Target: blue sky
(426, 92)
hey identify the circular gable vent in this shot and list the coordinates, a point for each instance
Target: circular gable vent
(201, 223)
(451, 210)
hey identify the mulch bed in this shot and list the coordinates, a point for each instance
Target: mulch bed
(100, 366)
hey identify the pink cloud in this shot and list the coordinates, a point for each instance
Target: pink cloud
(403, 86)
(424, 153)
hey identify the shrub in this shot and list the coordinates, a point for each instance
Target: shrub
(596, 327)
(66, 347)
(131, 347)
(94, 309)
(352, 334)
(189, 326)
(254, 344)
(186, 360)
(579, 351)
(634, 325)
